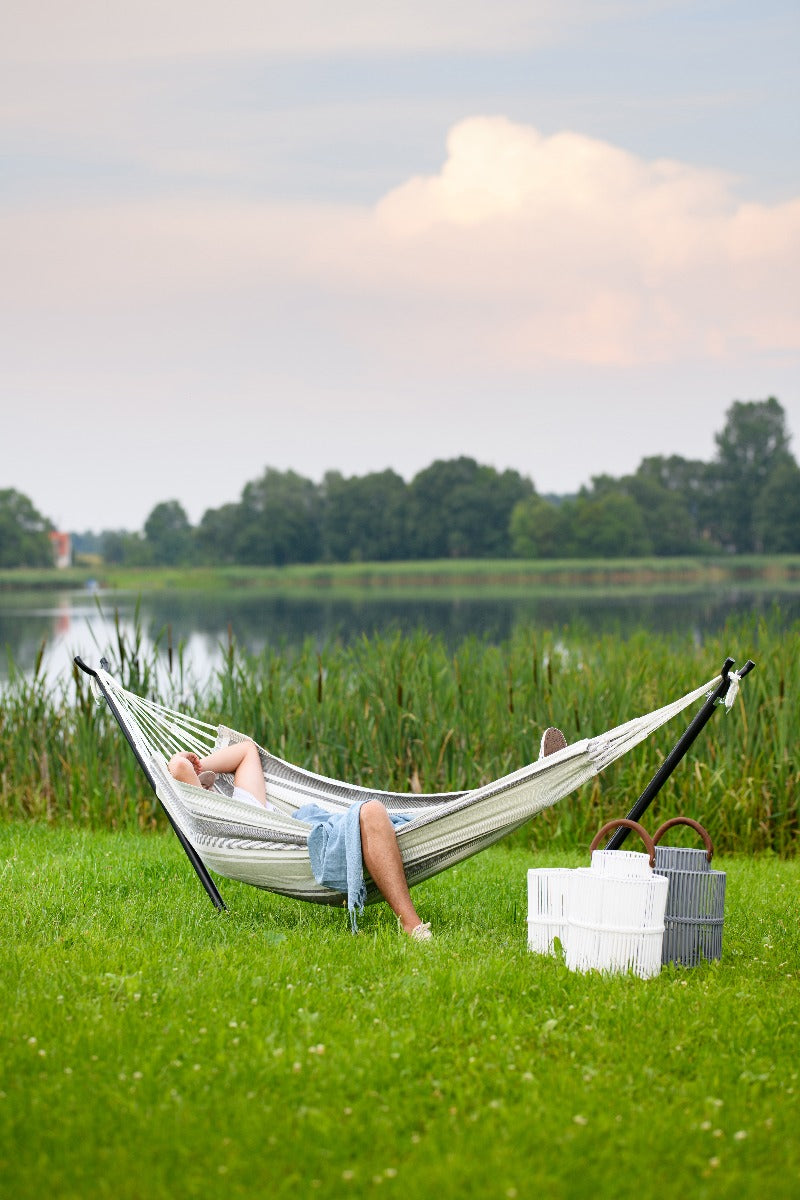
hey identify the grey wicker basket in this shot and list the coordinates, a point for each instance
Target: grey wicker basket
(695, 901)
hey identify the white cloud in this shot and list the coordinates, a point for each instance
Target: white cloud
(522, 251)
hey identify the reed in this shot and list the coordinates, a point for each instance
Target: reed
(407, 713)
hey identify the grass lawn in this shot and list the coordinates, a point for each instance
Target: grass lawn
(153, 1048)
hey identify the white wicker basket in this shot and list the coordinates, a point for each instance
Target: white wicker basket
(616, 910)
(548, 900)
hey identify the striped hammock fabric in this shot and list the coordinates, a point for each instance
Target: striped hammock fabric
(270, 849)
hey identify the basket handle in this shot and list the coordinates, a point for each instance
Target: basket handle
(635, 826)
(698, 828)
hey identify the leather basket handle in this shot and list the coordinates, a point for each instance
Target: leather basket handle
(635, 826)
(695, 825)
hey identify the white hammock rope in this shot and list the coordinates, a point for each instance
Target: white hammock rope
(268, 849)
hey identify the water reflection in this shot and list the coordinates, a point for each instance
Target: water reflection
(73, 623)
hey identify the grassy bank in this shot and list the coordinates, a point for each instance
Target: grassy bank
(151, 1047)
(390, 711)
(446, 573)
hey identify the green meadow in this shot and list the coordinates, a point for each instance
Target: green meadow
(450, 573)
(152, 1047)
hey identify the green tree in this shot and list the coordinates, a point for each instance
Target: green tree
(217, 534)
(777, 511)
(121, 548)
(753, 443)
(693, 483)
(539, 528)
(169, 535)
(23, 532)
(667, 520)
(608, 524)
(459, 509)
(365, 517)
(280, 520)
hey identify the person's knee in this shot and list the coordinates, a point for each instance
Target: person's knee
(251, 754)
(373, 815)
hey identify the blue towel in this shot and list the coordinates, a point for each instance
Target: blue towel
(334, 847)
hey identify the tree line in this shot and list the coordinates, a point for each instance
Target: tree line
(746, 500)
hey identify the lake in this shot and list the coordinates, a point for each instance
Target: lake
(82, 622)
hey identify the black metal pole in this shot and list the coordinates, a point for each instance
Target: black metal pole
(680, 748)
(191, 853)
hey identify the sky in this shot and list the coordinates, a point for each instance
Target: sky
(554, 236)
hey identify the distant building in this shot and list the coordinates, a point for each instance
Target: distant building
(62, 549)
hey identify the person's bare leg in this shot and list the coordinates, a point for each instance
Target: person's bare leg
(240, 759)
(382, 859)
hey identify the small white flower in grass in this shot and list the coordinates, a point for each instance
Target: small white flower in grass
(740, 1135)
(197, 1067)
(137, 1074)
(705, 1125)
(297, 1067)
(717, 1133)
(42, 1053)
(67, 1070)
(347, 1174)
(377, 1179)
(232, 1024)
(390, 1172)
(31, 1041)
(579, 1119)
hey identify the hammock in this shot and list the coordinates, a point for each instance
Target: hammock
(269, 849)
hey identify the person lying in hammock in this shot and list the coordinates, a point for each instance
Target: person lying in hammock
(379, 849)
(380, 852)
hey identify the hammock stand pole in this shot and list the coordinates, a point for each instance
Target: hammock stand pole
(191, 853)
(693, 729)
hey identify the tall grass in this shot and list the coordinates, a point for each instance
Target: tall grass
(404, 712)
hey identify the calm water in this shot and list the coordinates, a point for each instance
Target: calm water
(72, 623)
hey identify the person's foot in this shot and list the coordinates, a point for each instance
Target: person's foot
(207, 779)
(553, 740)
